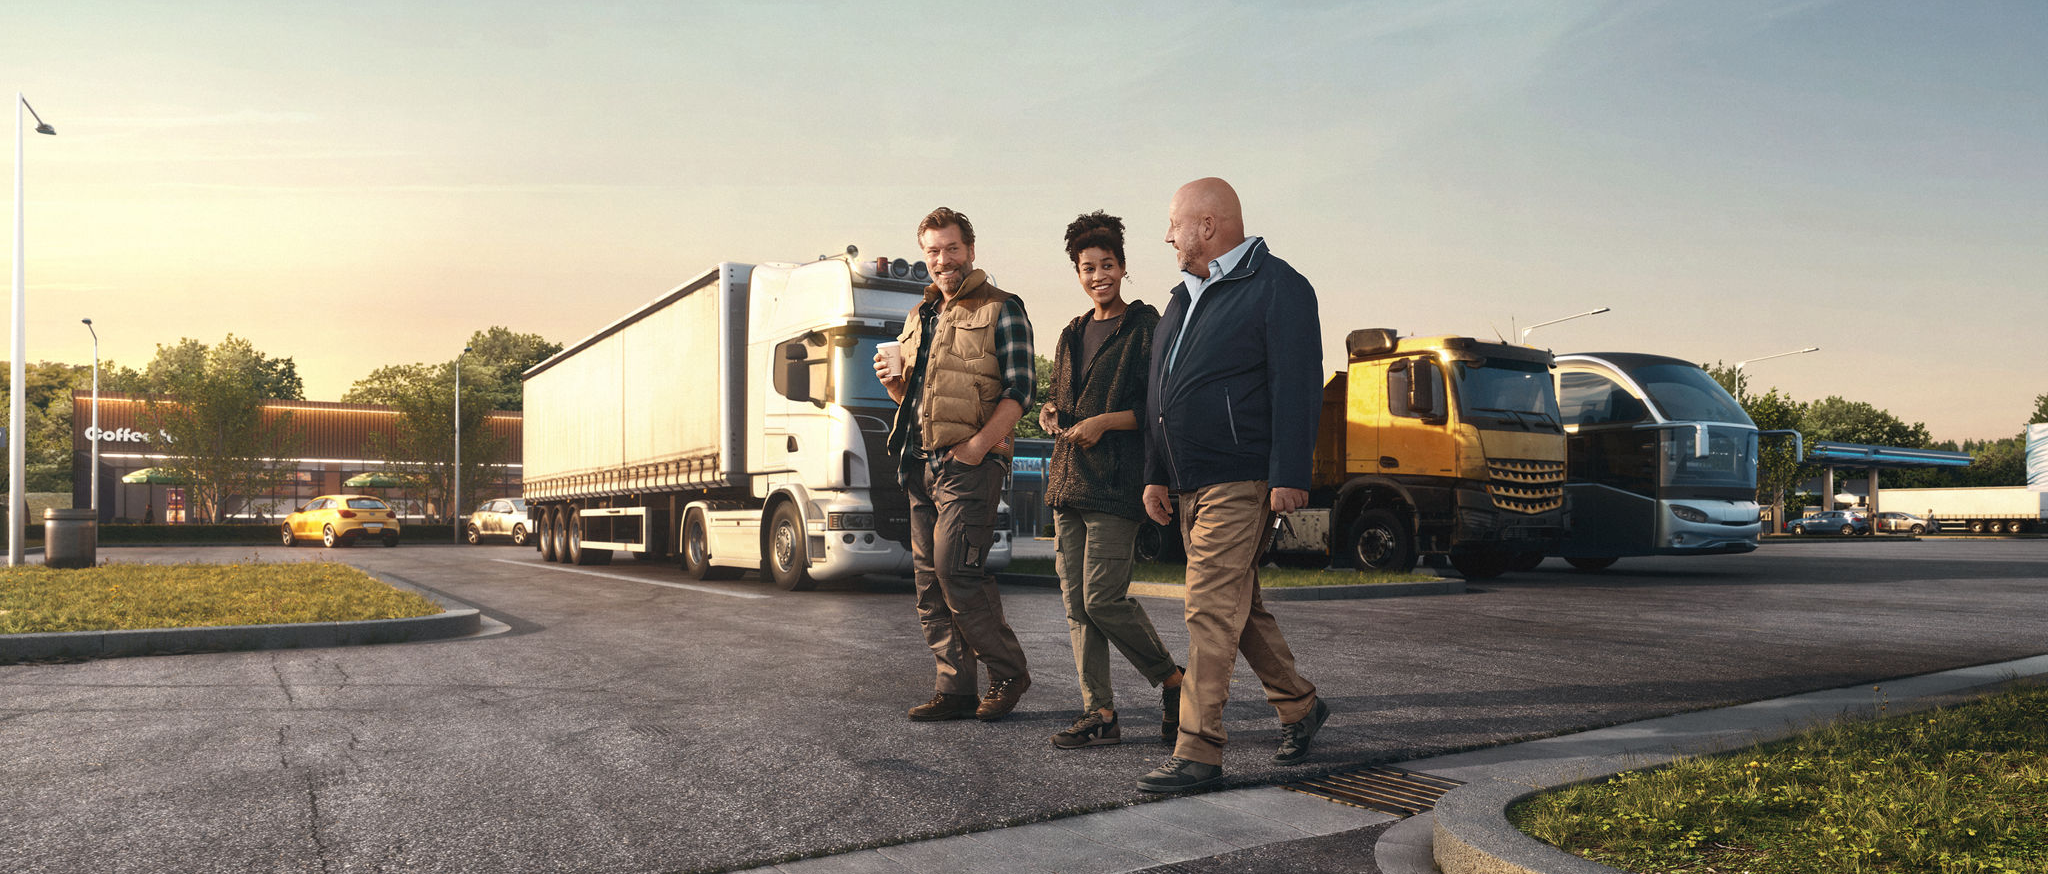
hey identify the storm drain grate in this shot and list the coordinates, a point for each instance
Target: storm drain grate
(1387, 790)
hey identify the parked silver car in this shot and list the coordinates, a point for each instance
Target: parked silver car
(1907, 523)
(502, 517)
(1831, 522)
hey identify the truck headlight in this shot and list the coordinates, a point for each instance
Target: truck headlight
(849, 521)
(1687, 513)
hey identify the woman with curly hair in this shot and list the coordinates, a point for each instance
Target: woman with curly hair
(1095, 481)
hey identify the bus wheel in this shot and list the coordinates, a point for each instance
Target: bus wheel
(1380, 542)
(784, 559)
(1591, 563)
(1525, 561)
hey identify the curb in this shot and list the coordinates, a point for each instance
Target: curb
(1471, 832)
(69, 645)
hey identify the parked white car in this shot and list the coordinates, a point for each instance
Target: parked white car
(503, 517)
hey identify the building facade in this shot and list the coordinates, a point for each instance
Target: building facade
(336, 445)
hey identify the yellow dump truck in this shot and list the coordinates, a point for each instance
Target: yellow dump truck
(1434, 446)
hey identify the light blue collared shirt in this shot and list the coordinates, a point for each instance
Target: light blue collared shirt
(1196, 285)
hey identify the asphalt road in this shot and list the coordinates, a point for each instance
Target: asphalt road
(624, 726)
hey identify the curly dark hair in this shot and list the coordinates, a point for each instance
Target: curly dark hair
(1095, 230)
(944, 217)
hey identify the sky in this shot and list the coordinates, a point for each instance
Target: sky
(361, 184)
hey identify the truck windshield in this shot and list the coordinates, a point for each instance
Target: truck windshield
(1516, 394)
(1730, 461)
(1684, 393)
(855, 385)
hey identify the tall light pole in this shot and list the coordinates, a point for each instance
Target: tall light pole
(455, 499)
(1525, 331)
(1739, 364)
(17, 407)
(95, 433)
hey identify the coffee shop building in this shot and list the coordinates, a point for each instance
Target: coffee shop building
(335, 443)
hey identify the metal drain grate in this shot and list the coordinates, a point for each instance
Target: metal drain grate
(1387, 790)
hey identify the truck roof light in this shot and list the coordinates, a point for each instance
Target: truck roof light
(882, 266)
(899, 268)
(919, 273)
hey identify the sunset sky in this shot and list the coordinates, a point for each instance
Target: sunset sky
(366, 183)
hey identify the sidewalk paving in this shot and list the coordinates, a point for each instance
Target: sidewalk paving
(1211, 832)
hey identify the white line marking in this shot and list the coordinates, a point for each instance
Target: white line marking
(687, 586)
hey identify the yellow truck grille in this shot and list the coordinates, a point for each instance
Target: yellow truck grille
(1523, 486)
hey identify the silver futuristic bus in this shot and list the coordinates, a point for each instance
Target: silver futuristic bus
(1661, 460)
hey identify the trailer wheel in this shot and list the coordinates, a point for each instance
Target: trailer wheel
(1976, 526)
(1379, 541)
(783, 561)
(1592, 563)
(577, 554)
(545, 538)
(1156, 542)
(697, 551)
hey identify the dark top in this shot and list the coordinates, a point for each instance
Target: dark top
(1242, 401)
(1107, 477)
(1092, 336)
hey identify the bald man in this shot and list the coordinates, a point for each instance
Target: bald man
(1235, 388)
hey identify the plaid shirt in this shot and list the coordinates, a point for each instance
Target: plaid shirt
(1013, 351)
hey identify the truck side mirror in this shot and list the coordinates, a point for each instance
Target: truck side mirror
(796, 376)
(1422, 394)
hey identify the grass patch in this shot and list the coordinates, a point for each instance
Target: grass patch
(1959, 790)
(130, 596)
(1270, 577)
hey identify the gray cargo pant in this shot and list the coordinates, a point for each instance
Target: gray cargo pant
(952, 526)
(1094, 564)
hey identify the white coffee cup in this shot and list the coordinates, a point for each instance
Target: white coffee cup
(892, 355)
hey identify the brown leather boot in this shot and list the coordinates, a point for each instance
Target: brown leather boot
(943, 707)
(1002, 698)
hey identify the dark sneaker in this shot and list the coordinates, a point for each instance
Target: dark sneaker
(943, 707)
(1091, 730)
(1295, 736)
(1169, 709)
(1180, 774)
(1002, 697)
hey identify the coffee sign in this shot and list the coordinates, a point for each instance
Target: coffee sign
(124, 435)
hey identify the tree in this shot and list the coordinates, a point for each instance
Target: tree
(1777, 468)
(421, 442)
(209, 400)
(1027, 426)
(1845, 421)
(1730, 377)
(492, 369)
(2040, 410)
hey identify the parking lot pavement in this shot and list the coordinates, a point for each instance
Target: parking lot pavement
(623, 726)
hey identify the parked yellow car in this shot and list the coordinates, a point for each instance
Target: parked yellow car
(341, 520)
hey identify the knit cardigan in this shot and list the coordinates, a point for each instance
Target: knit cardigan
(1110, 476)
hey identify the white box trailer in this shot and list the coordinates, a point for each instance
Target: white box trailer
(735, 423)
(1985, 509)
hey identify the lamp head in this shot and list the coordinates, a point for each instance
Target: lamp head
(46, 129)
(86, 321)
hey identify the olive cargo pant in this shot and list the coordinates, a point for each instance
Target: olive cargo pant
(1094, 564)
(1220, 525)
(952, 525)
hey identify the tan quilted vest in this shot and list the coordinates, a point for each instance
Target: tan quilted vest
(963, 377)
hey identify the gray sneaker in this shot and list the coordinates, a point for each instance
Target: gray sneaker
(1091, 730)
(1180, 775)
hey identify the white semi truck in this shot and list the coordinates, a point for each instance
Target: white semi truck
(1985, 509)
(734, 422)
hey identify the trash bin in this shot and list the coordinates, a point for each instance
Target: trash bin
(71, 538)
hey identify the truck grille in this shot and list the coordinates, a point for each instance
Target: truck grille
(1524, 486)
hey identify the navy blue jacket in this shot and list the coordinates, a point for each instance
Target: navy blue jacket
(1243, 400)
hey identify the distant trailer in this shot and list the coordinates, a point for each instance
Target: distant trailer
(1983, 510)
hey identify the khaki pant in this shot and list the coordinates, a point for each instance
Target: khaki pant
(1221, 524)
(1094, 564)
(952, 525)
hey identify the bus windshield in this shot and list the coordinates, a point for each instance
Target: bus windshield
(1511, 393)
(1684, 393)
(1730, 461)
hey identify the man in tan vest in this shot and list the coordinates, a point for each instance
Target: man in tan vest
(967, 377)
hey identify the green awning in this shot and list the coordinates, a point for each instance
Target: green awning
(377, 480)
(155, 476)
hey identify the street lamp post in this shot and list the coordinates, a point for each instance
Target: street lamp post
(1739, 364)
(455, 499)
(1525, 331)
(1778, 497)
(95, 434)
(17, 407)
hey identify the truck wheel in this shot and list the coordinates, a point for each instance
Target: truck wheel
(697, 551)
(784, 558)
(1379, 541)
(1479, 564)
(549, 549)
(519, 535)
(577, 554)
(1525, 561)
(1590, 563)
(1156, 542)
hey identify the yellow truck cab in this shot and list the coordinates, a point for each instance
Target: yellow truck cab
(1435, 446)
